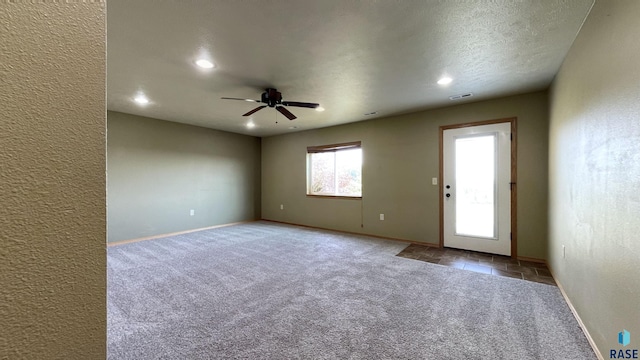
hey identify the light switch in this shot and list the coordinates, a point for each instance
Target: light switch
(434, 181)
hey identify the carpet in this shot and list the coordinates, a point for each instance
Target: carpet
(264, 290)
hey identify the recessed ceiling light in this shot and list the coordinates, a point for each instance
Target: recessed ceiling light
(251, 125)
(141, 99)
(204, 63)
(319, 108)
(445, 80)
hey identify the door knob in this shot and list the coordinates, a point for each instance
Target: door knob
(448, 187)
(448, 195)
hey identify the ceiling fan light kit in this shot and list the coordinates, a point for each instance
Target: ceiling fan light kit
(273, 98)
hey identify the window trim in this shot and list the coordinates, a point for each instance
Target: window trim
(345, 197)
(334, 147)
(325, 149)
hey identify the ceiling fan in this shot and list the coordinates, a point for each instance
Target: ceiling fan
(273, 98)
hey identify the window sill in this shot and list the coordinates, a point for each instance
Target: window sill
(335, 197)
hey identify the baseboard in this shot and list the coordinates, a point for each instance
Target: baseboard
(122, 242)
(534, 260)
(524, 258)
(577, 316)
(356, 233)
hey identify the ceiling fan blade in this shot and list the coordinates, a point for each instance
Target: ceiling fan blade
(230, 98)
(255, 110)
(285, 112)
(300, 104)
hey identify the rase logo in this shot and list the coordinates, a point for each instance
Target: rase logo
(624, 338)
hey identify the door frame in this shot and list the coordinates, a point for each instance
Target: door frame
(514, 175)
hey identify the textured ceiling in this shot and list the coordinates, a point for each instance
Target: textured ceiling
(352, 57)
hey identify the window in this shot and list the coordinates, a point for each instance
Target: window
(335, 170)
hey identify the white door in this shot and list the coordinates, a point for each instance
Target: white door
(477, 191)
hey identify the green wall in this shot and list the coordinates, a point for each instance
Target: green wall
(158, 171)
(400, 156)
(52, 180)
(594, 174)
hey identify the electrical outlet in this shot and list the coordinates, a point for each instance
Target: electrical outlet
(192, 212)
(564, 252)
(281, 206)
(381, 216)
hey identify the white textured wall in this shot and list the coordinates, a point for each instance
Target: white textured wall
(52, 180)
(594, 173)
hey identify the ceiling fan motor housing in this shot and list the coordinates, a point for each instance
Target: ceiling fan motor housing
(272, 97)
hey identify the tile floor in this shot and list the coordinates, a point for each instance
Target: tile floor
(480, 262)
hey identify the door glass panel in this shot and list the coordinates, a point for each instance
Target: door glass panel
(475, 195)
